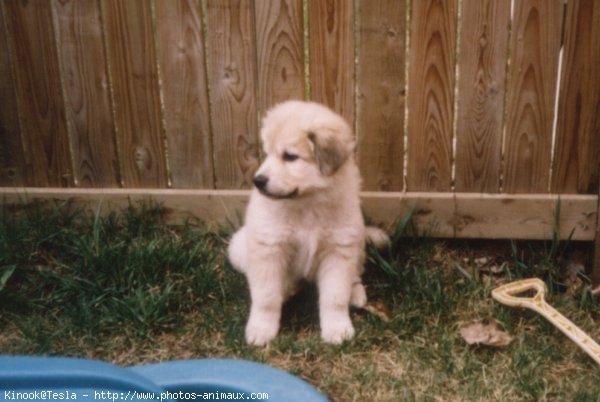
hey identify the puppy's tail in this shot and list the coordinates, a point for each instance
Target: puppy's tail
(377, 237)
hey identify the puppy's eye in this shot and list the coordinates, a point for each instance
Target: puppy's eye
(288, 157)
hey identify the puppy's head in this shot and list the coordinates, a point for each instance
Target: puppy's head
(305, 145)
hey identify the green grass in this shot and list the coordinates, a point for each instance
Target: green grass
(127, 288)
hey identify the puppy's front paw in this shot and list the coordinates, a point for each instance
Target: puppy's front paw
(260, 333)
(337, 332)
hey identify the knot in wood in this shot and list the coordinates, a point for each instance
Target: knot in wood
(231, 72)
(142, 158)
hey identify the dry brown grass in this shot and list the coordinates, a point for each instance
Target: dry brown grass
(429, 289)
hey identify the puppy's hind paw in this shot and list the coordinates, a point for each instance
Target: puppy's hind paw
(358, 297)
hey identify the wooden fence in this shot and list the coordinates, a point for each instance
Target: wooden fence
(475, 114)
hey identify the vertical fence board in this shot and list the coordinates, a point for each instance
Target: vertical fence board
(482, 75)
(87, 98)
(11, 148)
(596, 261)
(331, 47)
(280, 51)
(531, 92)
(431, 101)
(185, 89)
(577, 146)
(232, 72)
(44, 128)
(134, 78)
(381, 93)
(58, 57)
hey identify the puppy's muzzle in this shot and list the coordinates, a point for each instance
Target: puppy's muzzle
(260, 181)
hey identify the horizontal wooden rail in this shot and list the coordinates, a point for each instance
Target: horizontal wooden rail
(448, 215)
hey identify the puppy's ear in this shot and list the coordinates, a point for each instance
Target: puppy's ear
(330, 152)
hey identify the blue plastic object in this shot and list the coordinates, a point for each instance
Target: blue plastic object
(49, 378)
(45, 378)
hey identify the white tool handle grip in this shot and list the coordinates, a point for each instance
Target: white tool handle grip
(571, 330)
(509, 295)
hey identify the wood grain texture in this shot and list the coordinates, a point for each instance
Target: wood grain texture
(531, 90)
(134, 79)
(280, 51)
(448, 215)
(331, 48)
(87, 97)
(481, 90)
(11, 147)
(232, 74)
(485, 216)
(39, 93)
(596, 262)
(577, 148)
(381, 94)
(185, 92)
(431, 101)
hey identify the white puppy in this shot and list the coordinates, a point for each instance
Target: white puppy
(304, 222)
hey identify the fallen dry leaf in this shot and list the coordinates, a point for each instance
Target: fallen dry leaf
(379, 310)
(573, 279)
(489, 334)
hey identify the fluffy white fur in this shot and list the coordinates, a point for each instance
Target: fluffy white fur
(304, 222)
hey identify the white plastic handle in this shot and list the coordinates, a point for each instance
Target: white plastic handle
(509, 295)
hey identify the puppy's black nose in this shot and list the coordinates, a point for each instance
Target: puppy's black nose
(260, 181)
